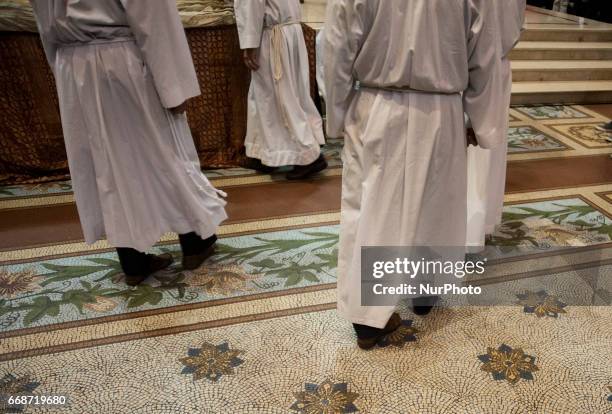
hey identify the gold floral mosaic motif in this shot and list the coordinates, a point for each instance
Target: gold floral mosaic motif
(11, 385)
(325, 398)
(526, 138)
(53, 186)
(505, 363)
(211, 361)
(18, 283)
(541, 304)
(548, 225)
(101, 304)
(401, 336)
(221, 279)
(558, 235)
(585, 134)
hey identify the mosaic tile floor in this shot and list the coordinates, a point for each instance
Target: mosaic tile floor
(490, 360)
(80, 287)
(256, 331)
(529, 139)
(540, 132)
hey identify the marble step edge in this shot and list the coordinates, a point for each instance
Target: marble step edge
(562, 92)
(567, 34)
(564, 70)
(561, 54)
(562, 86)
(545, 45)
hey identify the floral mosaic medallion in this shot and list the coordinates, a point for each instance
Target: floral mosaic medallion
(101, 304)
(541, 304)
(221, 280)
(401, 336)
(551, 112)
(211, 361)
(523, 139)
(11, 385)
(17, 283)
(586, 135)
(325, 398)
(505, 363)
(549, 225)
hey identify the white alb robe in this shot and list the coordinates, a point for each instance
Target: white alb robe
(284, 126)
(404, 179)
(118, 65)
(487, 167)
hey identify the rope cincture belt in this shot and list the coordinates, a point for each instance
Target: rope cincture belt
(277, 40)
(402, 89)
(98, 41)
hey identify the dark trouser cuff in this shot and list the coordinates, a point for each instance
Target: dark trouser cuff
(132, 261)
(192, 244)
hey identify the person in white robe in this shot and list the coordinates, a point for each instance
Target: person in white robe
(420, 64)
(124, 72)
(283, 126)
(487, 167)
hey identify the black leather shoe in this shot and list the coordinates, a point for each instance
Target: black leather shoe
(368, 337)
(301, 172)
(155, 264)
(257, 165)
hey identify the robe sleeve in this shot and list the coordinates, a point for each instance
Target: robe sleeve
(160, 35)
(342, 40)
(511, 19)
(482, 99)
(250, 16)
(42, 14)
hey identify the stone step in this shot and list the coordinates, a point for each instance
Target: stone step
(561, 70)
(562, 92)
(562, 51)
(566, 34)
